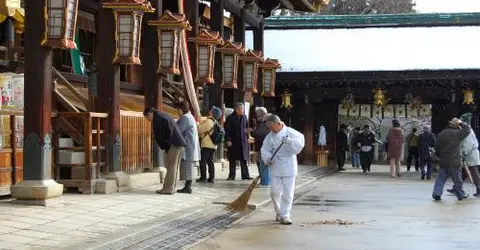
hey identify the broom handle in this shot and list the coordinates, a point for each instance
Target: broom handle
(271, 158)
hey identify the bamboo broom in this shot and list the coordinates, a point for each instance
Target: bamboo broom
(241, 203)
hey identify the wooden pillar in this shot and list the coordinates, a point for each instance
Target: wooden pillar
(38, 188)
(215, 92)
(10, 35)
(309, 132)
(239, 36)
(134, 74)
(109, 86)
(258, 45)
(152, 82)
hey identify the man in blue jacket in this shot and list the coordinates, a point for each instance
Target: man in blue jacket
(169, 138)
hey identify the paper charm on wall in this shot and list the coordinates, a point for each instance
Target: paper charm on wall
(400, 110)
(412, 111)
(342, 110)
(425, 110)
(355, 111)
(377, 111)
(365, 110)
(389, 111)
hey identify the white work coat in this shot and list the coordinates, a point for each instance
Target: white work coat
(470, 150)
(284, 163)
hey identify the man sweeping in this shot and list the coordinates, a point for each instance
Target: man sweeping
(279, 150)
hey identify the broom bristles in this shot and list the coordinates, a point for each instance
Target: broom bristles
(241, 203)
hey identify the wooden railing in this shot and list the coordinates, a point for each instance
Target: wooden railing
(135, 134)
(11, 153)
(94, 134)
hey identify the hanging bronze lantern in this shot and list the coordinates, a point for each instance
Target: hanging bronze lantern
(286, 103)
(250, 61)
(468, 97)
(60, 23)
(169, 27)
(205, 43)
(230, 55)
(128, 21)
(379, 97)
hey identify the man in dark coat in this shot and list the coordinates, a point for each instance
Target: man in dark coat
(236, 136)
(448, 149)
(341, 147)
(366, 141)
(169, 138)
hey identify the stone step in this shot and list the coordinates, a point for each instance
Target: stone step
(66, 143)
(71, 157)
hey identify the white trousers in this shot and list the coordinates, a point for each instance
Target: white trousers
(281, 191)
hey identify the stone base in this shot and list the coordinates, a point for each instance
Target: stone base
(123, 180)
(104, 186)
(40, 193)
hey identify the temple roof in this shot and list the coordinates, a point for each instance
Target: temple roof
(380, 20)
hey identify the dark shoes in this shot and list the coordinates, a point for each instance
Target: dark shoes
(202, 180)
(452, 191)
(187, 189)
(342, 169)
(231, 179)
(423, 177)
(437, 197)
(247, 179)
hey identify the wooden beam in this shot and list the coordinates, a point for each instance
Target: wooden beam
(258, 43)
(236, 8)
(215, 93)
(74, 90)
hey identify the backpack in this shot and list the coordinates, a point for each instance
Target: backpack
(217, 133)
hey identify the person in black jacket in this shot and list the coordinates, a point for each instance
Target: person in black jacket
(448, 148)
(259, 133)
(342, 147)
(169, 138)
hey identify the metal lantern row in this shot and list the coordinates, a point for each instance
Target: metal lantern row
(205, 44)
(286, 103)
(128, 21)
(169, 27)
(250, 61)
(60, 24)
(231, 51)
(269, 72)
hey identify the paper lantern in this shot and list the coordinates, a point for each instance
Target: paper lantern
(205, 43)
(169, 26)
(250, 61)
(128, 21)
(60, 23)
(230, 55)
(269, 72)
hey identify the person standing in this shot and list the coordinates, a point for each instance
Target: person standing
(341, 147)
(191, 154)
(412, 143)
(261, 131)
(471, 156)
(236, 135)
(426, 143)
(365, 142)
(354, 150)
(208, 148)
(395, 148)
(287, 143)
(448, 148)
(169, 138)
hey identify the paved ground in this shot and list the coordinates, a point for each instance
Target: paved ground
(385, 214)
(98, 219)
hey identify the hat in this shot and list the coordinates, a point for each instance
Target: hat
(216, 112)
(466, 118)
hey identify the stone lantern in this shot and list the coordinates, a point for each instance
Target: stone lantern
(205, 43)
(169, 27)
(230, 54)
(250, 61)
(128, 20)
(60, 24)
(269, 72)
